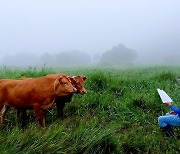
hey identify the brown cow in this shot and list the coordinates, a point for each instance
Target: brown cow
(78, 83)
(34, 93)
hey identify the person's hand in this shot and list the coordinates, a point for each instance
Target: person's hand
(172, 112)
(168, 103)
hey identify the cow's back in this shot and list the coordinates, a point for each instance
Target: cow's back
(23, 93)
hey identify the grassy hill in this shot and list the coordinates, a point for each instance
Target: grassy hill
(117, 115)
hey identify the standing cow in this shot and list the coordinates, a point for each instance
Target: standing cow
(38, 94)
(78, 83)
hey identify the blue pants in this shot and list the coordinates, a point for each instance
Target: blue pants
(169, 119)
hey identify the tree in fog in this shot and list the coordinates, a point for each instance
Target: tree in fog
(71, 58)
(118, 55)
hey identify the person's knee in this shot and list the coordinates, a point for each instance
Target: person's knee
(160, 119)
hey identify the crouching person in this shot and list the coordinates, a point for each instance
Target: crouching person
(170, 119)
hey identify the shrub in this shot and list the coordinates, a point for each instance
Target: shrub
(99, 82)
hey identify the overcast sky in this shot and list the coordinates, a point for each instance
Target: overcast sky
(150, 27)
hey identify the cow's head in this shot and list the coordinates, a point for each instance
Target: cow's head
(63, 86)
(78, 83)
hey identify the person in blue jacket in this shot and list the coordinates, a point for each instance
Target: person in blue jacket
(170, 119)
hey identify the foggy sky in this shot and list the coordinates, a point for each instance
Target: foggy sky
(150, 27)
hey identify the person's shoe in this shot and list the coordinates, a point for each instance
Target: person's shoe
(168, 131)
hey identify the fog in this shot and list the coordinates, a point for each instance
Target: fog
(83, 32)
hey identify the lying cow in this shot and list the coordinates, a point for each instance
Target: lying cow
(38, 94)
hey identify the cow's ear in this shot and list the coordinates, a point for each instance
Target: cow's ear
(60, 79)
(73, 81)
(84, 77)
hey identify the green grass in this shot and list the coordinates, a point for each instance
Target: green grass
(117, 115)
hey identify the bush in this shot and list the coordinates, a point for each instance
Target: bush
(99, 82)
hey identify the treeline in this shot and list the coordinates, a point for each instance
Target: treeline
(117, 55)
(63, 58)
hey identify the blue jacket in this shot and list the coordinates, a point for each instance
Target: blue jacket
(176, 110)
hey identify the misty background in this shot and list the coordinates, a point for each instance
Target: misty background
(67, 33)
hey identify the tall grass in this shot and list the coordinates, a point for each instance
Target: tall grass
(117, 115)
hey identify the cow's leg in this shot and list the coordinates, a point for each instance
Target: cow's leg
(18, 116)
(60, 107)
(44, 112)
(22, 117)
(4, 110)
(38, 113)
(1, 106)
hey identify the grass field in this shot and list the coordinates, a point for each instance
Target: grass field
(117, 115)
